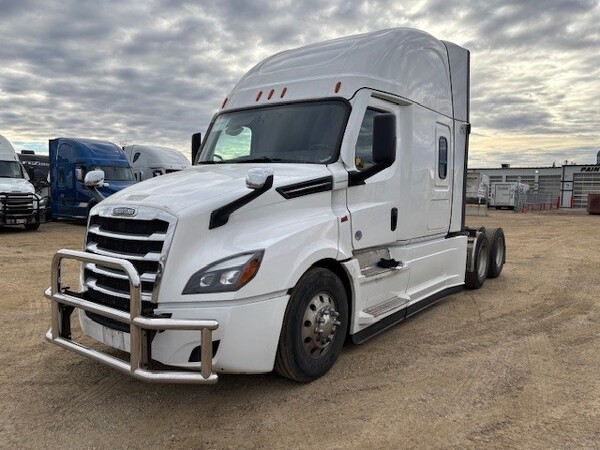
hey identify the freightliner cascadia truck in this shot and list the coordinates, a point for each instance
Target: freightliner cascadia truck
(70, 160)
(326, 204)
(148, 161)
(19, 203)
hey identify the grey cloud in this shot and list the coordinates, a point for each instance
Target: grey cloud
(156, 71)
(530, 157)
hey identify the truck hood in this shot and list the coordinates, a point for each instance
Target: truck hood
(207, 187)
(17, 185)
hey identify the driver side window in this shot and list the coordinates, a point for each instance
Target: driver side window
(363, 153)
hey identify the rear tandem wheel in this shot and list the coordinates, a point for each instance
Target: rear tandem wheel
(475, 279)
(497, 253)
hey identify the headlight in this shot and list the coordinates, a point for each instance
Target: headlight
(227, 275)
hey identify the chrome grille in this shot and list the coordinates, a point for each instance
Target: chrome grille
(143, 240)
(18, 206)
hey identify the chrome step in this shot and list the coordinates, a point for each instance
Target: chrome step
(372, 313)
(373, 273)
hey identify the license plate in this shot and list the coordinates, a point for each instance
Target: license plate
(15, 221)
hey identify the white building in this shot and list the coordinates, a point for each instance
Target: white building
(544, 182)
(577, 182)
(569, 183)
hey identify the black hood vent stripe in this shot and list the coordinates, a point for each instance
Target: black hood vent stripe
(306, 187)
(220, 217)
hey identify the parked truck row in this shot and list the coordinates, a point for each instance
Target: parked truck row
(58, 178)
(326, 203)
(19, 203)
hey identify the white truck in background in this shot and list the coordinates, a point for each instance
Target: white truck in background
(505, 194)
(19, 204)
(151, 161)
(327, 201)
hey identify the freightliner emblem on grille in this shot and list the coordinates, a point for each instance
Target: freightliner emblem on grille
(124, 212)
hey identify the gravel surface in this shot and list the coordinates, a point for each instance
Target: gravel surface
(515, 364)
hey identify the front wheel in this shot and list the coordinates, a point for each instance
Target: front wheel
(32, 226)
(314, 327)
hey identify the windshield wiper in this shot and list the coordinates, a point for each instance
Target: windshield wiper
(248, 159)
(211, 162)
(258, 159)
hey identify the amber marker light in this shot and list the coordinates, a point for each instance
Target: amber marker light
(284, 90)
(271, 94)
(258, 96)
(249, 271)
(338, 86)
(224, 103)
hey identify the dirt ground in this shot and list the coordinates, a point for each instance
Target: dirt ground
(515, 364)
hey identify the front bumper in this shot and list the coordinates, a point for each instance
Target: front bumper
(21, 209)
(63, 304)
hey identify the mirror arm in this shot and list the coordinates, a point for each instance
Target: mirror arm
(97, 195)
(356, 178)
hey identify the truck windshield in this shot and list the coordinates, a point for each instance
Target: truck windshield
(10, 169)
(115, 173)
(309, 132)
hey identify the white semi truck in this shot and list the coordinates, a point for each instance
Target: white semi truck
(326, 202)
(507, 194)
(19, 204)
(150, 161)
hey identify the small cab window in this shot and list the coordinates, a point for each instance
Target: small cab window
(363, 155)
(442, 158)
(136, 156)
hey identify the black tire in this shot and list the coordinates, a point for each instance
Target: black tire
(475, 279)
(303, 354)
(497, 253)
(32, 226)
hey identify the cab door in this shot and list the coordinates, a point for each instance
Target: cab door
(374, 204)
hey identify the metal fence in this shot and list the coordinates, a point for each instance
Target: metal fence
(535, 201)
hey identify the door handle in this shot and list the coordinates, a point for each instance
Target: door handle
(394, 222)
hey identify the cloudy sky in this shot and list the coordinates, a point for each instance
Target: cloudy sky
(155, 71)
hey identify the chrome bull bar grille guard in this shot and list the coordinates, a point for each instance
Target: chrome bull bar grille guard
(63, 304)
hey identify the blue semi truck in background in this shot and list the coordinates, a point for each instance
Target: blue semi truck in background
(70, 160)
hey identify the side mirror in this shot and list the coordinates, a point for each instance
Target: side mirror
(258, 177)
(384, 139)
(79, 174)
(196, 142)
(94, 178)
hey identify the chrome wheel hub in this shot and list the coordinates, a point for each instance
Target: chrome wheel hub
(483, 262)
(319, 325)
(500, 252)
